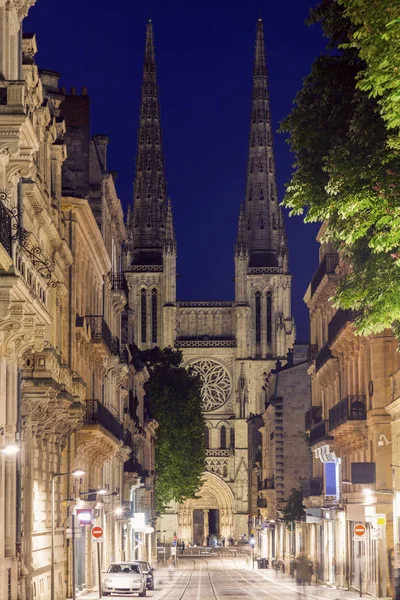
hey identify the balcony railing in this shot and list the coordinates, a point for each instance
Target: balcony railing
(319, 432)
(133, 466)
(312, 417)
(5, 229)
(338, 321)
(312, 487)
(352, 408)
(322, 357)
(100, 330)
(98, 414)
(327, 266)
(118, 282)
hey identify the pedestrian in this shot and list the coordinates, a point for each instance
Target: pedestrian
(182, 547)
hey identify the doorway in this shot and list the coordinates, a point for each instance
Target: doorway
(213, 521)
(198, 526)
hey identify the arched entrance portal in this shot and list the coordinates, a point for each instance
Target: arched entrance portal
(210, 512)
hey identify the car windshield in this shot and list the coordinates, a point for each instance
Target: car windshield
(124, 569)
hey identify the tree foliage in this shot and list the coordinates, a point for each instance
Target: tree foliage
(376, 36)
(347, 173)
(175, 402)
(294, 510)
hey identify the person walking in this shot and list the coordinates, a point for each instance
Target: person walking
(182, 547)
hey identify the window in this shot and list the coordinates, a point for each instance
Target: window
(232, 438)
(206, 437)
(269, 319)
(143, 315)
(223, 437)
(154, 316)
(258, 317)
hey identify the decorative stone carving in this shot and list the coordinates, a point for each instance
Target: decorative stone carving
(216, 383)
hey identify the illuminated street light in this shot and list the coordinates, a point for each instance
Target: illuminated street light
(74, 473)
(10, 449)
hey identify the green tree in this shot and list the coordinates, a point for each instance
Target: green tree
(347, 174)
(294, 510)
(376, 36)
(175, 402)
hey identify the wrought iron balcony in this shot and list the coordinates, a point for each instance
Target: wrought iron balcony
(319, 432)
(98, 414)
(327, 266)
(100, 330)
(312, 417)
(5, 229)
(352, 408)
(312, 487)
(118, 283)
(338, 321)
(133, 466)
(322, 357)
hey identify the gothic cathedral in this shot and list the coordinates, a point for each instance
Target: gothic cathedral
(233, 344)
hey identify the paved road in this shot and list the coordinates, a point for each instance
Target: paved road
(209, 578)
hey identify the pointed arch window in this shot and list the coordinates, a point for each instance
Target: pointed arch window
(154, 323)
(269, 319)
(258, 317)
(206, 438)
(223, 437)
(232, 440)
(143, 315)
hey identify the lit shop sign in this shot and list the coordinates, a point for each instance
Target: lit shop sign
(138, 522)
(84, 515)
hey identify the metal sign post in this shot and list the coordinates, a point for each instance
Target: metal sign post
(97, 536)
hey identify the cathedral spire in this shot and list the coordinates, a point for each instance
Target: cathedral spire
(263, 221)
(148, 221)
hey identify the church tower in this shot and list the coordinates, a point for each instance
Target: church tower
(265, 328)
(150, 250)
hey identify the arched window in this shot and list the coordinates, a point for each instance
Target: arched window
(232, 438)
(154, 316)
(269, 319)
(206, 438)
(143, 315)
(223, 437)
(258, 319)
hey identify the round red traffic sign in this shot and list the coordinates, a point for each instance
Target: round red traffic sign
(359, 530)
(97, 532)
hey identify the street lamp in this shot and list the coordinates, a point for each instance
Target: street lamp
(74, 473)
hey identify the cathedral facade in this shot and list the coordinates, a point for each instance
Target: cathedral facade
(233, 344)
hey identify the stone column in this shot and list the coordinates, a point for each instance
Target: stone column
(206, 526)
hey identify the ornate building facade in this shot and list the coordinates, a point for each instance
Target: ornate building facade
(71, 389)
(234, 344)
(349, 429)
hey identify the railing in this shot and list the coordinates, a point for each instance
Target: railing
(312, 487)
(100, 330)
(327, 266)
(5, 230)
(98, 414)
(318, 432)
(322, 357)
(269, 483)
(312, 417)
(118, 282)
(352, 408)
(133, 466)
(338, 321)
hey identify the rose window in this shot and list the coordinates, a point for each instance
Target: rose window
(216, 383)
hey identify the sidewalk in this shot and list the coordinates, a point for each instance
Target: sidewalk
(314, 592)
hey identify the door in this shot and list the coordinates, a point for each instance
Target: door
(198, 526)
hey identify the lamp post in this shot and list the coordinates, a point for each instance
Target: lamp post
(74, 473)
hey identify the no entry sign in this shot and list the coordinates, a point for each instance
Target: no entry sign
(97, 533)
(359, 531)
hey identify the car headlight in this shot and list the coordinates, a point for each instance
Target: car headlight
(108, 580)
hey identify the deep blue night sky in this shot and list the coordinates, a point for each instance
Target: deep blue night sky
(204, 53)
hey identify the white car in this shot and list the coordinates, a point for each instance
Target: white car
(124, 578)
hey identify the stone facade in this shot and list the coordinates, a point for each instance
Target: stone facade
(351, 388)
(71, 385)
(233, 345)
(285, 460)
